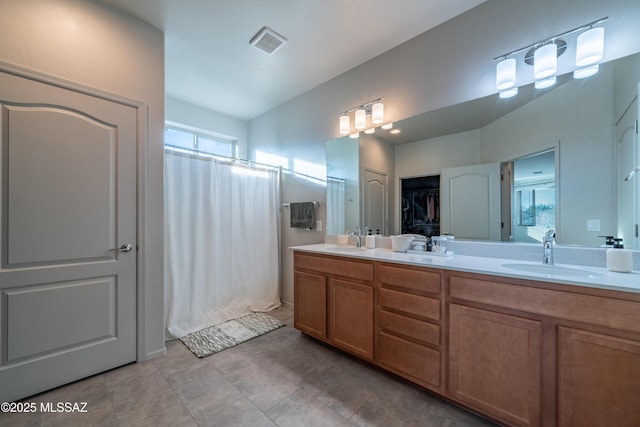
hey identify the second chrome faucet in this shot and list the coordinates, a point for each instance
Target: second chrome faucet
(547, 244)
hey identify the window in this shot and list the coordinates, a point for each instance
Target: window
(200, 141)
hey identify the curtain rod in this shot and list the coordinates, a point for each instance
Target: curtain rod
(204, 156)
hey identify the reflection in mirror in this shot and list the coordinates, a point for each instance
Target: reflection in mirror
(529, 193)
(342, 185)
(588, 123)
(421, 205)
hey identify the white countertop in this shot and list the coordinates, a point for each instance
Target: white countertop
(559, 273)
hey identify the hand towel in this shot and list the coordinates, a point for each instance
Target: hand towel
(302, 215)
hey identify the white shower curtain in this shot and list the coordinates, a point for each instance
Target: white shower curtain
(221, 241)
(335, 205)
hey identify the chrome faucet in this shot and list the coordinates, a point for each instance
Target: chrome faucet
(358, 236)
(547, 244)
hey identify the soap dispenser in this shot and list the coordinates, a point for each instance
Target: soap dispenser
(618, 258)
(370, 240)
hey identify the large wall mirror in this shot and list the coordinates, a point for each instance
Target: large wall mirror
(586, 127)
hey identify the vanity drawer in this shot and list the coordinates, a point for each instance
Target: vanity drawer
(595, 310)
(425, 332)
(410, 279)
(413, 361)
(362, 270)
(426, 307)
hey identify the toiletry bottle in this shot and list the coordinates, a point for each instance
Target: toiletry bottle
(618, 258)
(370, 240)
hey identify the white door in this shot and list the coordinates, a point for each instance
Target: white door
(68, 198)
(375, 201)
(470, 201)
(626, 131)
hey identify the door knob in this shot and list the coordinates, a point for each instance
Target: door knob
(126, 248)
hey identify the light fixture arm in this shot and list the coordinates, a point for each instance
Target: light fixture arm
(366, 106)
(549, 39)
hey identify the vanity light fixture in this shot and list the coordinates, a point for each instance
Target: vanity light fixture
(373, 109)
(361, 119)
(345, 124)
(543, 55)
(590, 47)
(387, 126)
(506, 74)
(370, 131)
(354, 135)
(545, 61)
(377, 113)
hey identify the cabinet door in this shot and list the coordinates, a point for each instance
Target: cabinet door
(598, 379)
(310, 304)
(351, 317)
(495, 364)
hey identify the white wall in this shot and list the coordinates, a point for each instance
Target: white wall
(297, 189)
(86, 43)
(179, 111)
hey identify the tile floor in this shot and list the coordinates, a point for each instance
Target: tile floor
(282, 378)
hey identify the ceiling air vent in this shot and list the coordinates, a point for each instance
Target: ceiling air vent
(268, 40)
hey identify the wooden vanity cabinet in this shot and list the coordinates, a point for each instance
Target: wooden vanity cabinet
(532, 353)
(521, 352)
(333, 301)
(409, 330)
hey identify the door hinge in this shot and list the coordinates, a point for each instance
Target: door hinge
(636, 126)
(636, 230)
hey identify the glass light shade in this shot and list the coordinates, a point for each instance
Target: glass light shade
(506, 74)
(508, 93)
(370, 130)
(590, 47)
(354, 135)
(545, 83)
(395, 131)
(545, 61)
(361, 119)
(377, 113)
(345, 125)
(387, 126)
(583, 73)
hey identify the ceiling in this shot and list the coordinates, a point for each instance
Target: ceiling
(209, 61)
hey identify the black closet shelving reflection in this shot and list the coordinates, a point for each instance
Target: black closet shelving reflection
(420, 210)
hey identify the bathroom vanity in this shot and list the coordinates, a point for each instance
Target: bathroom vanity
(518, 344)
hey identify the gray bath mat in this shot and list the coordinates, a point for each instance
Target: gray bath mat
(216, 338)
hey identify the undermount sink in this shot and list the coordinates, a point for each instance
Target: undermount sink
(554, 270)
